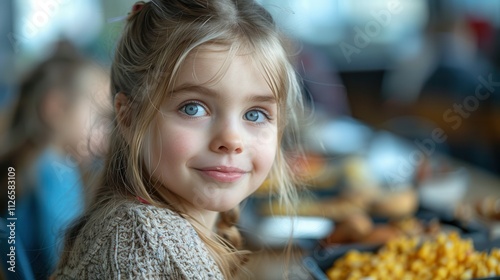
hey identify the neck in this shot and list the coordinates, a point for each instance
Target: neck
(205, 217)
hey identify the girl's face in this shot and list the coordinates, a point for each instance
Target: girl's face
(214, 141)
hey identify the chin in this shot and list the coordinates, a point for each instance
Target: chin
(223, 205)
(221, 200)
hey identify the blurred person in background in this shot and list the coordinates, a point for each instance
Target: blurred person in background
(445, 64)
(53, 142)
(442, 75)
(322, 84)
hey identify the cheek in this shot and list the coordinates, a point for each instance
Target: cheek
(266, 158)
(263, 150)
(177, 144)
(172, 146)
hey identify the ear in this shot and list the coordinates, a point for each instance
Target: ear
(123, 110)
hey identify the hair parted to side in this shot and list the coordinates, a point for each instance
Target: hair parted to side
(156, 41)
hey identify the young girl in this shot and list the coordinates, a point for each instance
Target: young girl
(203, 92)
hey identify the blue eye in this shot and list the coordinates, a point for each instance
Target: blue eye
(255, 116)
(194, 110)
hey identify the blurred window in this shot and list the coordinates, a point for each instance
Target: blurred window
(332, 21)
(39, 23)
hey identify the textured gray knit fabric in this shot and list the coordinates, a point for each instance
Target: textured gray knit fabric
(139, 241)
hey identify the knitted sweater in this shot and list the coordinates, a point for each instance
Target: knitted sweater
(138, 241)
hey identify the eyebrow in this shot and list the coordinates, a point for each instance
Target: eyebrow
(266, 98)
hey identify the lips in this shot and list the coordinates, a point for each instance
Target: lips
(224, 174)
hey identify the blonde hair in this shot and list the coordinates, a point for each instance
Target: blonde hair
(156, 41)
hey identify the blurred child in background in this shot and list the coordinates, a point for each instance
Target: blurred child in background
(52, 139)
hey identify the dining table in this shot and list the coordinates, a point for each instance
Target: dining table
(274, 262)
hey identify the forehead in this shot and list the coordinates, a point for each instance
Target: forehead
(212, 64)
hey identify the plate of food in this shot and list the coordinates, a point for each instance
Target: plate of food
(366, 249)
(447, 256)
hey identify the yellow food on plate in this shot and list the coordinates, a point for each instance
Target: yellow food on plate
(446, 257)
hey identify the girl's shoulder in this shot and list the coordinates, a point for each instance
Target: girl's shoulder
(159, 224)
(155, 224)
(149, 216)
(144, 241)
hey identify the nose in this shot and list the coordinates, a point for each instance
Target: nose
(227, 140)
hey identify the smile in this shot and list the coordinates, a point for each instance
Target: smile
(222, 174)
